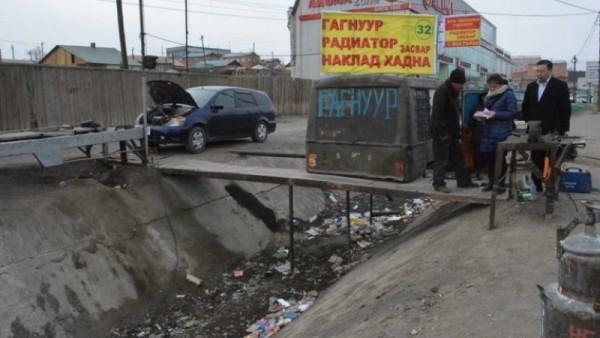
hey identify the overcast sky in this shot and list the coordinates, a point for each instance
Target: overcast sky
(549, 28)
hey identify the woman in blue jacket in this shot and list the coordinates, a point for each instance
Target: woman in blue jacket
(498, 122)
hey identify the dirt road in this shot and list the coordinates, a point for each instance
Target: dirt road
(458, 279)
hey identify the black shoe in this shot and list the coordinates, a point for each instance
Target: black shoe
(468, 185)
(500, 190)
(441, 188)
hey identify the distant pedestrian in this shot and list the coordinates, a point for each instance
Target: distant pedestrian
(546, 100)
(501, 105)
(445, 133)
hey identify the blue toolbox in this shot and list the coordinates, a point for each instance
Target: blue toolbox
(575, 180)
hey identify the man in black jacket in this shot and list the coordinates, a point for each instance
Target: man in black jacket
(546, 100)
(445, 133)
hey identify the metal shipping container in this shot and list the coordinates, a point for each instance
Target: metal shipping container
(374, 126)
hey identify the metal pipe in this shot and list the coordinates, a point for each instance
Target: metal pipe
(348, 223)
(291, 222)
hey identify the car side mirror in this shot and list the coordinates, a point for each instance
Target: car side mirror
(216, 107)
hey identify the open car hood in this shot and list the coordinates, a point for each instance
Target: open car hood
(164, 92)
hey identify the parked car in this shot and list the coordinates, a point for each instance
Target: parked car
(199, 115)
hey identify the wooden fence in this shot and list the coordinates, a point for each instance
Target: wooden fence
(34, 96)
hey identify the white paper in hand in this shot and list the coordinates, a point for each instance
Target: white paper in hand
(482, 115)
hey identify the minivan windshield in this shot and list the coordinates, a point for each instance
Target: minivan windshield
(201, 95)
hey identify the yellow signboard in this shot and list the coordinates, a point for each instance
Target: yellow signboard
(378, 43)
(462, 30)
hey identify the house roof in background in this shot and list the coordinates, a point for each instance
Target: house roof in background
(95, 55)
(216, 64)
(237, 55)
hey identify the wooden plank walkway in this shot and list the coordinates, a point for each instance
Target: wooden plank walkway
(298, 177)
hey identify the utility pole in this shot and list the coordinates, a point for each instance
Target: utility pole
(598, 85)
(204, 53)
(12, 47)
(187, 65)
(574, 60)
(124, 62)
(42, 56)
(144, 108)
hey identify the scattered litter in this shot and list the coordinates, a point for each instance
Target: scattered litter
(238, 273)
(281, 313)
(335, 259)
(394, 218)
(281, 253)
(289, 315)
(283, 302)
(179, 296)
(332, 198)
(193, 279)
(313, 231)
(283, 268)
(364, 244)
(312, 219)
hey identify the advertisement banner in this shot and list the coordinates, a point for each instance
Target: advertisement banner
(462, 30)
(378, 43)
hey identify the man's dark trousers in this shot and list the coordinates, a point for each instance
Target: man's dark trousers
(448, 153)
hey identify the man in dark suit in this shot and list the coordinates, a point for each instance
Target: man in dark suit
(546, 100)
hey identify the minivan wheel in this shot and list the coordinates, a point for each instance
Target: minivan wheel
(260, 132)
(196, 140)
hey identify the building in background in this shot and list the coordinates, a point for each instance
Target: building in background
(477, 61)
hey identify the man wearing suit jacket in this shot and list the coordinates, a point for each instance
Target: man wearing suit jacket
(546, 100)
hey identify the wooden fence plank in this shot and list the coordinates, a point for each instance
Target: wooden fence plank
(36, 96)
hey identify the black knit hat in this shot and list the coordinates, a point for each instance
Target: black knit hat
(458, 76)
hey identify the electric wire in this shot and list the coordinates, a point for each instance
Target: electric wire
(587, 41)
(572, 5)
(258, 9)
(203, 12)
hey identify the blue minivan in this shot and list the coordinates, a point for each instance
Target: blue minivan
(199, 115)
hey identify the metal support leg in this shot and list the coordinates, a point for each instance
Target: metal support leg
(291, 222)
(370, 209)
(348, 222)
(495, 178)
(512, 176)
(123, 149)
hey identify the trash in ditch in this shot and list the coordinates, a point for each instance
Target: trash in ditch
(281, 313)
(313, 231)
(335, 259)
(283, 268)
(193, 279)
(281, 253)
(364, 244)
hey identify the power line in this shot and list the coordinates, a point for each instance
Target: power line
(202, 12)
(588, 40)
(572, 5)
(271, 10)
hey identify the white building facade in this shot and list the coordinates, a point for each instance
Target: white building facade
(477, 61)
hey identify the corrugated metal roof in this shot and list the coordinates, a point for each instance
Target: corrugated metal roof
(98, 55)
(216, 63)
